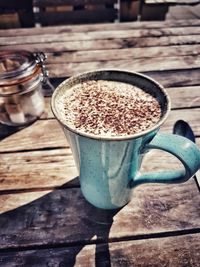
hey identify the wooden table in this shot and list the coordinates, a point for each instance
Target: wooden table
(44, 218)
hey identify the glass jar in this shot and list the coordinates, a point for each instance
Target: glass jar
(21, 97)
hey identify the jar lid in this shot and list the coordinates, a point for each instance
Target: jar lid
(19, 66)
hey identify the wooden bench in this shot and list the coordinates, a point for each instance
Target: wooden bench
(28, 13)
(16, 13)
(51, 12)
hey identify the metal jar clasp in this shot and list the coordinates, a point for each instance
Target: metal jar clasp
(40, 57)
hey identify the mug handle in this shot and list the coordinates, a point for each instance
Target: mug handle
(182, 148)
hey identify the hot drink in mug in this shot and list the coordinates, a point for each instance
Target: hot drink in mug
(111, 118)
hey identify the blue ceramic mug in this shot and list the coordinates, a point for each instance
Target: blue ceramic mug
(109, 167)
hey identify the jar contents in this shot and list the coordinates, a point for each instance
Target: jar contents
(23, 108)
(21, 98)
(33, 104)
(14, 109)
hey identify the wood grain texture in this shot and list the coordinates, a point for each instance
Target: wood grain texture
(184, 97)
(176, 78)
(125, 54)
(169, 252)
(103, 26)
(138, 253)
(140, 65)
(168, 78)
(41, 169)
(96, 35)
(64, 217)
(42, 131)
(57, 47)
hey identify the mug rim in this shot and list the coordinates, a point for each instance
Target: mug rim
(119, 137)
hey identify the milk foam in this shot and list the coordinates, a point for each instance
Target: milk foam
(108, 108)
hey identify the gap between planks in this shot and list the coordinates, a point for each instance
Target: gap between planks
(163, 208)
(127, 253)
(161, 235)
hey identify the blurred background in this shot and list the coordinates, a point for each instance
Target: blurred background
(37, 13)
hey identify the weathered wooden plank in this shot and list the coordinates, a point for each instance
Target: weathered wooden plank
(8, 203)
(176, 78)
(169, 78)
(123, 54)
(181, 97)
(48, 134)
(140, 65)
(102, 26)
(44, 132)
(41, 169)
(174, 252)
(190, 115)
(96, 35)
(183, 251)
(64, 217)
(113, 43)
(53, 168)
(47, 112)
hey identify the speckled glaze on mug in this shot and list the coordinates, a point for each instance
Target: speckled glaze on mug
(109, 166)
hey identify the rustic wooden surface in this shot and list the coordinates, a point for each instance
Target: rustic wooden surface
(44, 219)
(125, 253)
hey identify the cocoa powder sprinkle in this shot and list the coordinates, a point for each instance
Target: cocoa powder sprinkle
(110, 108)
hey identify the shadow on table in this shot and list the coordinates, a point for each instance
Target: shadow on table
(6, 131)
(62, 220)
